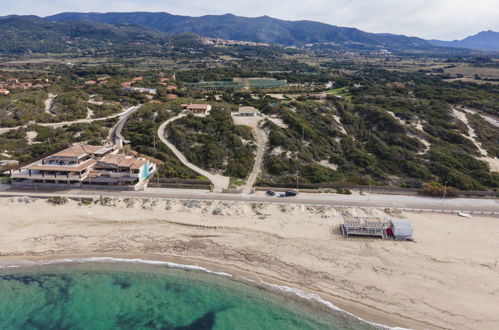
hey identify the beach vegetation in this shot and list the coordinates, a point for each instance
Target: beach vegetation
(57, 200)
(214, 143)
(436, 189)
(343, 191)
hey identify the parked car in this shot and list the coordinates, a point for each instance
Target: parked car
(270, 193)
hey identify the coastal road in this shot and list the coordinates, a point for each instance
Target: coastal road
(220, 182)
(418, 203)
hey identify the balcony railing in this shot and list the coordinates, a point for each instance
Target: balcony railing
(117, 174)
(39, 176)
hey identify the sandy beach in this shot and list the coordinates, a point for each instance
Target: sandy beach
(448, 278)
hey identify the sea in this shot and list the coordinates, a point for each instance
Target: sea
(107, 293)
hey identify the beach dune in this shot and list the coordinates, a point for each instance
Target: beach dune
(448, 278)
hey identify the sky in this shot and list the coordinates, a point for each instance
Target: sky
(429, 19)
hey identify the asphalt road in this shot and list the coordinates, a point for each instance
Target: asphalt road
(418, 203)
(116, 130)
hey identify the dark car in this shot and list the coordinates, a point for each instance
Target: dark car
(290, 193)
(270, 193)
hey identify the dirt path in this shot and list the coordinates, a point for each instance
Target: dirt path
(48, 104)
(90, 113)
(219, 182)
(492, 161)
(491, 120)
(261, 142)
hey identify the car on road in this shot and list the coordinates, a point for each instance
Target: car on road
(289, 193)
(270, 193)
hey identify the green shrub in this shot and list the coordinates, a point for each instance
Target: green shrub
(58, 200)
(435, 189)
(343, 191)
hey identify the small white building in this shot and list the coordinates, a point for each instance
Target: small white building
(197, 108)
(151, 91)
(248, 112)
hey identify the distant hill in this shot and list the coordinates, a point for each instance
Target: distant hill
(260, 29)
(486, 40)
(25, 34)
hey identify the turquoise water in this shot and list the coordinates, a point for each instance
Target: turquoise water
(131, 296)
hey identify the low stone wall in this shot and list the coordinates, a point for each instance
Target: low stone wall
(76, 186)
(373, 189)
(179, 183)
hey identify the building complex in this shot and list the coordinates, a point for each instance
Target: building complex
(85, 166)
(240, 84)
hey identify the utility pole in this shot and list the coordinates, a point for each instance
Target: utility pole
(157, 172)
(445, 191)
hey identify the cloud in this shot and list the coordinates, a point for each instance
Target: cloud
(441, 19)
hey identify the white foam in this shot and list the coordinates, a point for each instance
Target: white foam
(316, 298)
(274, 287)
(116, 260)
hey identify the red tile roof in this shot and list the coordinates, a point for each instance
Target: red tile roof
(124, 161)
(78, 151)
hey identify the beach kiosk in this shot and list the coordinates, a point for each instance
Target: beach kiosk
(401, 229)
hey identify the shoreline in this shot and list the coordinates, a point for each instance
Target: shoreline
(275, 285)
(446, 279)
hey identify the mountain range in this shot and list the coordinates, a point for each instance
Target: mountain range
(260, 29)
(275, 31)
(70, 31)
(486, 40)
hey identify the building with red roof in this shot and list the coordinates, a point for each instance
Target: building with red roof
(197, 108)
(85, 166)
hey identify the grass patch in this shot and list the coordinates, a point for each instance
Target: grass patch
(338, 90)
(236, 182)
